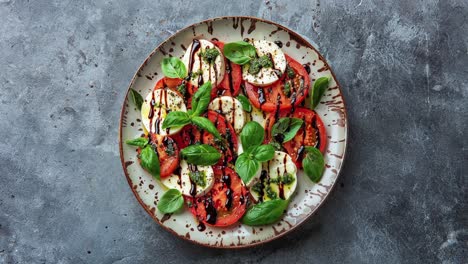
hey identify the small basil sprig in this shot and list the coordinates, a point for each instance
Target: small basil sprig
(149, 161)
(245, 103)
(265, 213)
(320, 86)
(239, 52)
(248, 163)
(202, 154)
(173, 68)
(200, 101)
(139, 142)
(313, 164)
(136, 98)
(286, 129)
(171, 202)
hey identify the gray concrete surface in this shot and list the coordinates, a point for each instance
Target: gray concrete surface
(64, 69)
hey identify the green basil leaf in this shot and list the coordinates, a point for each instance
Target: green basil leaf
(139, 142)
(201, 99)
(205, 124)
(176, 119)
(313, 164)
(252, 135)
(203, 154)
(173, 68)
(171, 202)
(245, 103)
(263, 153)
(149, 161)
(136, 98)
(265, 213)
(286, 128)
(320, 86)
(246, 167)
(239, 52)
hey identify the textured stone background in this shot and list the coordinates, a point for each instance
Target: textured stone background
(64, 70)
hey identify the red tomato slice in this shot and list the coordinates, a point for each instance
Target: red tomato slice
(172, 83)
(273, 97)
(168, 82)
(168, 152)
(228, 148)
(189, 135)
(312, 133)
(225, 203)
(231, 83)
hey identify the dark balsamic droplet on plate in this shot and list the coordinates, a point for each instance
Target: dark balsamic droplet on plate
(201, 227)
(306, 67)
(279, 43)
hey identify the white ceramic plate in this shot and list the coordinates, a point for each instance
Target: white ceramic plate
(309, 196)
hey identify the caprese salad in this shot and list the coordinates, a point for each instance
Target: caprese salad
(226, 131)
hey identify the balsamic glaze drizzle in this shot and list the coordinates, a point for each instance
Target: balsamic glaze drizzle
(195, 47)
(263, 177)
(227, 181)
(229, 72)
(211, 213)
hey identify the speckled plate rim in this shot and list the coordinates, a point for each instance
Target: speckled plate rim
(298, 38)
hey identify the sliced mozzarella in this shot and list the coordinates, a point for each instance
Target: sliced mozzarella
(258, 116)
(183, 182)
(280, 165)
(156, 106)
(213, 72)
(173, 182)
(266, 76)
(231, 108)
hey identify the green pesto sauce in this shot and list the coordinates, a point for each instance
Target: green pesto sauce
(287, 88)
(196, 74)
(209, 55)
(258, 63)
(287, 178)
(182, 89)
(199, 178)
(257, 187)
(270, 193)
(170, 151)
(290, 72)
